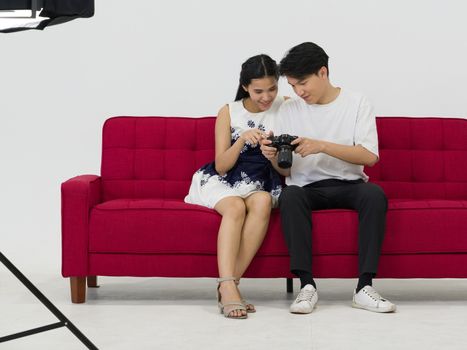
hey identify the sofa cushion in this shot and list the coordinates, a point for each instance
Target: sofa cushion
(134, 226)
(426, 226)
(152, 226)
(413, 227)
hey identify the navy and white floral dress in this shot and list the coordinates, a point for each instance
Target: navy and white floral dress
(251, 173)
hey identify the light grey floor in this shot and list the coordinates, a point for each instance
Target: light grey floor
(158, 313)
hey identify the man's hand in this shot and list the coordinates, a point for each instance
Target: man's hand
(307, 146)
(269, 152)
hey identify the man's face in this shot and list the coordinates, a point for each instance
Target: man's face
(310, 88)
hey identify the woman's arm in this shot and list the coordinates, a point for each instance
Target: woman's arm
(226, 155)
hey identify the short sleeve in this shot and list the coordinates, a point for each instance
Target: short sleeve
(365, 128)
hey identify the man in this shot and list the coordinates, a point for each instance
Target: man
(337, 137)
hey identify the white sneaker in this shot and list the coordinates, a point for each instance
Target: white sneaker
(306, 300)
(369, 299)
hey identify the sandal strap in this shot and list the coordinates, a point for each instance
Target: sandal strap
(229, 307)
(225, 279)
(242, 306)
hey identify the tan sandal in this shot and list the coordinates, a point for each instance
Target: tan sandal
(250, 308)
(227, 308)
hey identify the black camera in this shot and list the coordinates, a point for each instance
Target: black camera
(283, 146)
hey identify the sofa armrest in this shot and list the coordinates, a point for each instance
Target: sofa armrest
(79, 195)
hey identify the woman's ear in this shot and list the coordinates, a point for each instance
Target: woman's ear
(245, 88)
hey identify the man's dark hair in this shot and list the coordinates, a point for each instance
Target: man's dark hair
(303, 60)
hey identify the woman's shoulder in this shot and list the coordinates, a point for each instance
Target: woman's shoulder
(224, 114)
(234, 107)
(231, 113)
(224, 109)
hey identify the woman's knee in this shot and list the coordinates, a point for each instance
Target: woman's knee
(259, 202)
(233, 207)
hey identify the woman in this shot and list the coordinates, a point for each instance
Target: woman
(241, 185)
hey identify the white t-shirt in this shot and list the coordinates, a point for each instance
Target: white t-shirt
(348, 120)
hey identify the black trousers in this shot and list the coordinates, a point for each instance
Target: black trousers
(296, 204)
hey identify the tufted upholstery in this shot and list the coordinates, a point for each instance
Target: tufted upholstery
(156, 157)
(422, 158)
(132, 220)
(151, 157)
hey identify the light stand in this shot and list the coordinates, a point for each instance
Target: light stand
(64, 322)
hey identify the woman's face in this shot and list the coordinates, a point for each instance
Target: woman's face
(262, 92)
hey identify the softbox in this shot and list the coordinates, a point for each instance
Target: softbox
(52, 12)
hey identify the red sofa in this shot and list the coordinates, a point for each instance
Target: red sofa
(132, 221)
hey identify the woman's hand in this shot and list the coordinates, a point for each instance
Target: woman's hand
(268, 152)
(252, 136)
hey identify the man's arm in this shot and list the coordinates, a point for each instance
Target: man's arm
(352, 154)
(364, 151)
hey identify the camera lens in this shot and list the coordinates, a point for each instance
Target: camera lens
(284, 157)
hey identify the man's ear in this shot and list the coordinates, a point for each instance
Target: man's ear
(323, 72)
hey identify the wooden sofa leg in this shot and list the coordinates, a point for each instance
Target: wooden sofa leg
(78, 289)
(289, 285)
(92, 282)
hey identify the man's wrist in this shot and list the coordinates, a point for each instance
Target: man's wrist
(324, 147)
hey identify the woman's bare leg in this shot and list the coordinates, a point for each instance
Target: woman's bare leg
(233, 212)
(258, 206)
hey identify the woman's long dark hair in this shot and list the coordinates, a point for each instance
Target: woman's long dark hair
(256, 67)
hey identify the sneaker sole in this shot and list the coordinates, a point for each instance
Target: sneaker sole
(374, 309)
(302, 312)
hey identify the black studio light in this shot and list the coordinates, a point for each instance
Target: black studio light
(64, 321)
(52, 12)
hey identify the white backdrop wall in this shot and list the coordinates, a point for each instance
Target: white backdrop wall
(182, 58)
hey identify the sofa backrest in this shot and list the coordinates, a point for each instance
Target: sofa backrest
(155, 157)
(422, 158)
